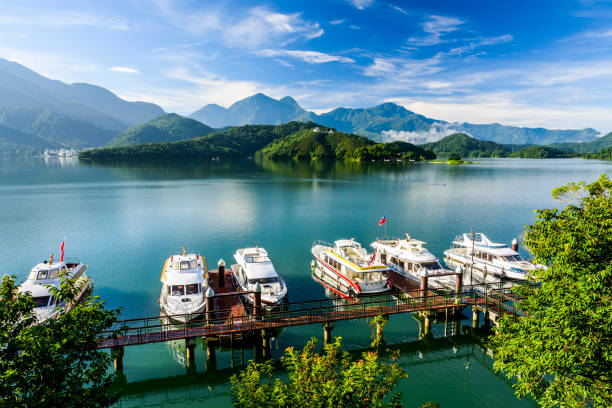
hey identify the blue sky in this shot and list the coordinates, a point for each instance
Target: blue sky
(528, 63)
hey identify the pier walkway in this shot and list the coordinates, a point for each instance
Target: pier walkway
(230, 316)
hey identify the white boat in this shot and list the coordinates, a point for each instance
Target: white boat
(488, 257)
(184, 284)
(51, 274)
(255, 267)
(411, 260)
(348, 269)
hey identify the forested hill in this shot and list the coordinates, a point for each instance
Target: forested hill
(293, 140)
(587, 147)
(242, 141)
(169, 127)
(460, 144)
(326, 143)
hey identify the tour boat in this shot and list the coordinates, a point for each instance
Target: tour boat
(348, 269)
(51, 274)
(184, 283)
(411, 260)
(476, 250)
(255, 267)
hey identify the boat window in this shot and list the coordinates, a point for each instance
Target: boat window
(257, 259)
(42, 274)
(178, 290)
(192, 289)
(263, 281)
(175, 265)
(41, 301)
(193, 264)
(53, 273)
(513, 258)
(184, 265)
(431, 266)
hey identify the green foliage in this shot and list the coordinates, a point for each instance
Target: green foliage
(561, 352)
(313, 380)
(165, 128)
(462, 145)
(542, 152)
(454, 158)
(603, 154)
(54, 363)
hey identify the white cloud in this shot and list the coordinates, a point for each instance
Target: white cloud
(478, 42)
(399, 9)
(125, 70)
(400, 69)
(436, 27)
(311, 57)
(336, 22)
(60, 19)
(256, 27)
(436, 132)
(361, 4)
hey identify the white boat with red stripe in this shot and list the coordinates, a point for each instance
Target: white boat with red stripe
(348, 268)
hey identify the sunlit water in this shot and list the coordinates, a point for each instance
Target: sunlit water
(124, 221)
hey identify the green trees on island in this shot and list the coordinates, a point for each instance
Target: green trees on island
(542, 152)
(561, 352)
(54, 363)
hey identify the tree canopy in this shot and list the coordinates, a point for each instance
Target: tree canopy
(54, 363)
(561, 352)
(313, 380)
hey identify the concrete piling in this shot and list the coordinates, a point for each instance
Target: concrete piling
(117, 354)
(327, 332)
(221, 272)
(475, 318)
(210, 305)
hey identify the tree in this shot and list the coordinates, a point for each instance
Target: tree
(55, 362)
(327, 380)
(561, 352)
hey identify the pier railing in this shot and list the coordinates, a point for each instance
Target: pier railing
(223, 322)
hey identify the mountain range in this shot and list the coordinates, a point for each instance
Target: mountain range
(57, 114)
(386, 122)
(37, 112)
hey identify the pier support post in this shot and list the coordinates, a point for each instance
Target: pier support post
(257, 301)
(190, 345)
(211, 358)
(475, 318)
(210, 305)
(327, 332)
(265, 342)
(117, 354)
(221, 271)
(458, 281)
(456, 327)
(427, 325)
(424, 285)
(487, 317)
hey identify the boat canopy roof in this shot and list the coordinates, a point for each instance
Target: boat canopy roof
(184, 278)
(347, 243)
(405, 249)
(36, 288)
(259, 270)
(484, 244)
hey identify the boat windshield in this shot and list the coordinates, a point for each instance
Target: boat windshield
(431, 266)
(512, 258)
(47, 274)
(193, 288)
(177, 290)
(41, 301)
(184, 265)
(257, 259)
(263, 281)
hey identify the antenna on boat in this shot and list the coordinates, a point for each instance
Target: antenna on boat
(51, 259)
(472, 263)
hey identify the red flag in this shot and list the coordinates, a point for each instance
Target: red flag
(382, 220)
(62, 252)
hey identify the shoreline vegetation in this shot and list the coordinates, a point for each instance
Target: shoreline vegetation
(310, 141)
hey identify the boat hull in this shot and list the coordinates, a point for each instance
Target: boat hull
(484, 267)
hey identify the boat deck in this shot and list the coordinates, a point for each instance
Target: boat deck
(230, 305)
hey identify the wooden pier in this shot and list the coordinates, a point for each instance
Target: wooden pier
(227, 315)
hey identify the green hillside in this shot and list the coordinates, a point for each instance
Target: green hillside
(542, 152)
(587, 147)
(242, 141)
(460, 144)
(169, 127)
(15, 142)
(603, 154)
(325, 143)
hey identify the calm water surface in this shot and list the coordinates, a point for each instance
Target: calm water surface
(124, 221)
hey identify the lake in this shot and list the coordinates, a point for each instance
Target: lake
(125, 220)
